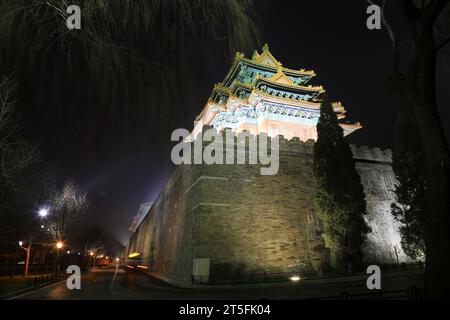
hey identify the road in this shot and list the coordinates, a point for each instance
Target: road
(125, 285)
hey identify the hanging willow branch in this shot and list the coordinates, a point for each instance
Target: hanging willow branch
(115, 78)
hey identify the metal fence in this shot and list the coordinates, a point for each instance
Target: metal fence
(267, 277)
(42, 280)
(413, 293)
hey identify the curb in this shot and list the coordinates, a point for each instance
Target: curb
(186, 285)
(285, 284)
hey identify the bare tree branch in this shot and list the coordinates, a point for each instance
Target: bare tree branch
(434, 9)
(16, 154)
(397, 78)
(443, 44)
(68, 206)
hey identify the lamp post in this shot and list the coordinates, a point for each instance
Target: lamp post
(93, 255)
(28, 251)
(43, 212)
(59, 246)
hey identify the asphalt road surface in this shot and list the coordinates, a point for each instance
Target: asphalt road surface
(123, 285)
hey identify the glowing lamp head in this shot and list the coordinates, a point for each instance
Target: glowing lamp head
(117, 259)
(59, 245)
(91, 253)
(20, 243)
(295, 278)
(43, 213)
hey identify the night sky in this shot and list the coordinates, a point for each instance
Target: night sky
(351, 62)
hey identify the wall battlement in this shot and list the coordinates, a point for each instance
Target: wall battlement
(371, 154)
(289, 145)
(295, 145)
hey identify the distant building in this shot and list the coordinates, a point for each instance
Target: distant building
(218, 222)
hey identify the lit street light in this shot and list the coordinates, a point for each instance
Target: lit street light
(43, 213)
(27, 250)
(295, 278)
(93, 256)
(59, 245)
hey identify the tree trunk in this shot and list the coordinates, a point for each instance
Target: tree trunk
(422, 74)
(27, 261)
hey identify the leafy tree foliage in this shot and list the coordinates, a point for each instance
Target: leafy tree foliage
(408, 165)
(340, 197)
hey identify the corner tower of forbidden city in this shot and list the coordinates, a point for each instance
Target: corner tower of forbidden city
(259, 95)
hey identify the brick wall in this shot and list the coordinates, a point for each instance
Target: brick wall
(244, 222)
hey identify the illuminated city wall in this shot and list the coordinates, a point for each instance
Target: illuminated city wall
(375, 169)
(246, 223)
(252, 224)
(163, 239)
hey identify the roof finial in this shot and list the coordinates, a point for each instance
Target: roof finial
(265, 47)
(255, 55)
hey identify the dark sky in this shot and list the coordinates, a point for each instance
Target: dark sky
(350, 61)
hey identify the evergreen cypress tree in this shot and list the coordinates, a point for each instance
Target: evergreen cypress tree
(340, 199)
(409, 165)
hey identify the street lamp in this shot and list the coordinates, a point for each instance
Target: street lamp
(43, 212)
(295, 278)
(59, 246)
(93, 256)
(28, 250)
